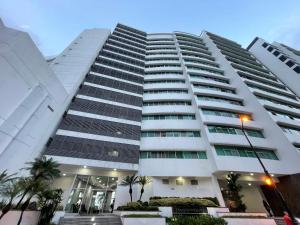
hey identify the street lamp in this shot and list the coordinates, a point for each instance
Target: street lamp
(268, 178)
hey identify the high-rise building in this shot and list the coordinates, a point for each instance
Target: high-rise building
(282, 60)
(168, 106)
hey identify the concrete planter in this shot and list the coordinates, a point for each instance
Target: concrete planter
(246, 221)
(57, 216)
(165, 211)
(216, 211)
(12, 217)
(124, 213)
(144, 221)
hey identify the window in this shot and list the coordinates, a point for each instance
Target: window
(173, 155)
(234, 131)
(284, 115)
(164, 91)
(297, 69)
(223, 150)
(113, 153)
(163, 81)
(264, 44)
(165, 181)
(169, 117)
(214, 88)
(270, 49)
(163, 73)
(276, 53)
(283, 58)
(171, 134)
(194, 182)
(259, 87)
(297, 147)
(205, 69)
(290, 63)
(209, 78)
(290, 130)
(166, 103)
(212, 112)
(217, 99)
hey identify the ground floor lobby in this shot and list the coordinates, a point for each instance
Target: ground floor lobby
(95, 190)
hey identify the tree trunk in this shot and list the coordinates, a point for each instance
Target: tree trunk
(21, 216)
(23, 208)
(142, 192)
(6, 209)
(130, 192)
(2, 215)
(23, 196)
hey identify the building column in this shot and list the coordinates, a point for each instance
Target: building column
(217, 190)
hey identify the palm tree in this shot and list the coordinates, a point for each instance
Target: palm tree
(143, 181)
(35, 187)
(41, 169)
(48, 201)
(11, 190)
(236, 203)
(4, 178)
(129, 181)
(232, 184)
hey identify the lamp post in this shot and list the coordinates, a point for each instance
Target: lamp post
(268, 179)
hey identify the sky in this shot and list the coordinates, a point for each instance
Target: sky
(53, 24)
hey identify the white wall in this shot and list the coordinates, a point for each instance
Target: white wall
(27, 87)
(203, 189)
(252, 199)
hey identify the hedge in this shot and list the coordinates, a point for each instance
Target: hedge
(137, 206)
(213, 199)
(196, 220)
(182, 202)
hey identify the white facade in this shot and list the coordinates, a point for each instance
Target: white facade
(270, 55)
(34, 95)
(31, 100)
(183, 92)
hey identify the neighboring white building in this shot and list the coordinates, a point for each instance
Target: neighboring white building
(282, 60)
(167, 106)
(32, 100)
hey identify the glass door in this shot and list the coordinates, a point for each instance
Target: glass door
(77, 194)
(92, 194)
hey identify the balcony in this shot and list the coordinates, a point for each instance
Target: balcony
(170, 125)
(172, 143)
(156, 86)
(166, 96)
(221, 106)
(175, 167)
(184, 109)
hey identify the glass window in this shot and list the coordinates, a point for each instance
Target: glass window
(270, 48)
(283, 58)
(297, 69)
(290, 63)
(244, 152)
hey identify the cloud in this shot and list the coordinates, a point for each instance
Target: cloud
(288, 32)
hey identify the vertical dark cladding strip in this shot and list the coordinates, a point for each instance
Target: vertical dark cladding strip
(118, 67)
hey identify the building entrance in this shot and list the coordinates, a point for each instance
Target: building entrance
(91, 194)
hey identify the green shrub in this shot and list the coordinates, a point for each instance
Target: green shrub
(213, 199)
(182, 202)
(137, 206)
(142, 216)
(196, 220)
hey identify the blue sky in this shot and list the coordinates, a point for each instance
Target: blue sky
(54, 24)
